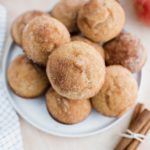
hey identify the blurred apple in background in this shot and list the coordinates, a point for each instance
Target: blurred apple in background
(142, 8)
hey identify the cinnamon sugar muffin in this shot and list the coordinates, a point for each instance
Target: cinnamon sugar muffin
(65, 110)
(21, 22)
(118, 93)
(95, 45)
(101, 20)
(126, 50)
(66, 11)
(25, 78)
(41, 36)
(76, 70)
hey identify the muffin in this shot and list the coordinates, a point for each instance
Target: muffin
(66, 11)
(26, 79)
(126, 50)
(76, 70)
(41, 36)
(65, 110)
(20, 23)
(101, 20)
(95, 45)
(118, 93)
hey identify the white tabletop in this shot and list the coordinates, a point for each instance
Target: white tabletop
(37, 140)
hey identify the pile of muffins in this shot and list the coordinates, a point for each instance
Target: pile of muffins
(79, 57)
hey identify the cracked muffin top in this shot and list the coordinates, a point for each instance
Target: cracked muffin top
(41, 36)
(65, 110)
(76, 70)
(101, 20)
(118, 93)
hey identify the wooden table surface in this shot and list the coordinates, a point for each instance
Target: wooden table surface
(35, 139)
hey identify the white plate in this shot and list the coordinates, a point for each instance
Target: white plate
(35, 112)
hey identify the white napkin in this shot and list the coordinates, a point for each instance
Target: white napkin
(10, 135)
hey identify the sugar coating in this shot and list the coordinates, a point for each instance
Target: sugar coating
(118, 93)
(101, 20)
(20, 23)
(95, 45)
(26, 78)
(126, 50)
(41, 36)
(76, 70)
(65, 110)
(66, 11)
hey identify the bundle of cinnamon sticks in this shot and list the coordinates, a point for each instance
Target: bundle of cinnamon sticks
(140, 123)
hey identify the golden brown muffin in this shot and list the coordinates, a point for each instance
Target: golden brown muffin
(76, 70)
(66, 11)
(118, 93)
(126, 50)
(101, 20)
(65, 110)
(21, 22)
(26, 79)
(41, 36)
(95, 45)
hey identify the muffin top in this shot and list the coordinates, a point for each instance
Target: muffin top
(118, 93)
(65, 110)
(26, 78)
(66, 11)
(101, 20)
(76, 70)
(41, 36)
(126, 50)
(20, 23)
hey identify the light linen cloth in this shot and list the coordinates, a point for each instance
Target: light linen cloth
(10, 135)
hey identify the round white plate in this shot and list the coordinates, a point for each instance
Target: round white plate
(35, 112)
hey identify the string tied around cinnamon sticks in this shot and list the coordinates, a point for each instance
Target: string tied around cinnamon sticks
(131, 135)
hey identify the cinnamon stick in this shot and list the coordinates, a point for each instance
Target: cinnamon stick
(138, 110)
(135, 143)
(137, 125)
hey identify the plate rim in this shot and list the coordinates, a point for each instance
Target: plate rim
(18, 110)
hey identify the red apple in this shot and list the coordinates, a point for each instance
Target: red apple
(142, 8)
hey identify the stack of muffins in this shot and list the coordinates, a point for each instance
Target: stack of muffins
(79, 55)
